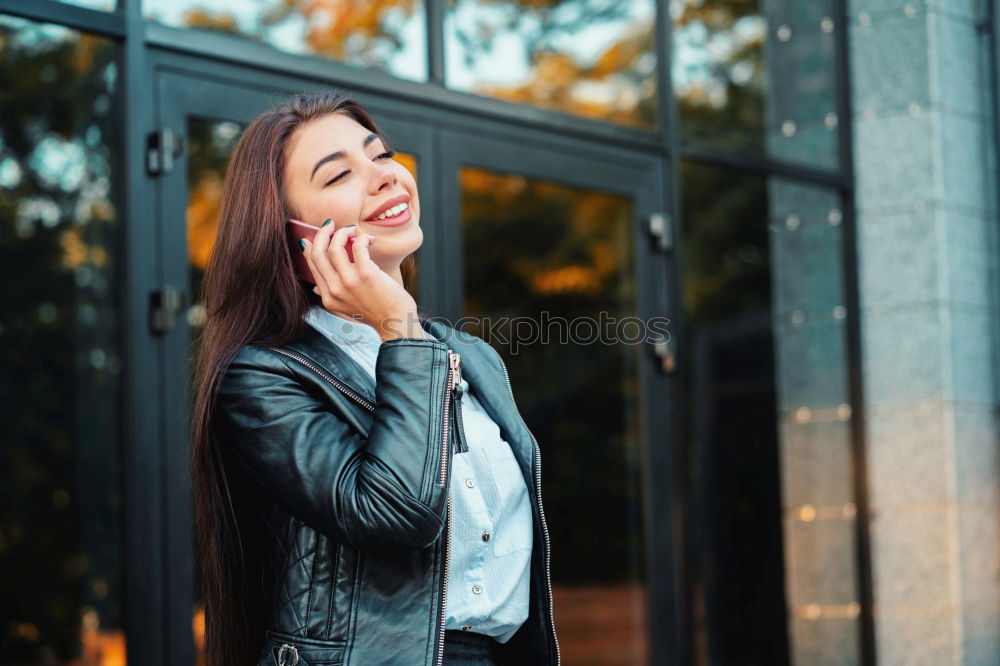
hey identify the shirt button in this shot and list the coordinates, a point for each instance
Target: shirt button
(470, 483)
(476, 589)
(486, 536)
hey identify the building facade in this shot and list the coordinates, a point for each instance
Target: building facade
(802, 468)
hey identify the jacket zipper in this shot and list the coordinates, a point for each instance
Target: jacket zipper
(461, 446)
(536, 472)
(325, 375)
(444, 582)
(454, 377)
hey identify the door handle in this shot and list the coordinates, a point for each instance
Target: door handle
(661, 230)
(663, 351)
(164, 305)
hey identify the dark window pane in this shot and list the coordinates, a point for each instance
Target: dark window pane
(768, 456)
(757, 76)
(585, 57)
(386, 34)
(559, 259)
(60, 351)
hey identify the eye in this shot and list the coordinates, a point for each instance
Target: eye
(336, 178)
(387, 155)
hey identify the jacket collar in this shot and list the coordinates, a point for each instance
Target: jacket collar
(320, 349)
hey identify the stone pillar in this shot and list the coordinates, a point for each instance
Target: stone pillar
(927, 233)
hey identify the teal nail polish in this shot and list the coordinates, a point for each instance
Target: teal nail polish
(349, 225)
(302, 242)
(327, 222)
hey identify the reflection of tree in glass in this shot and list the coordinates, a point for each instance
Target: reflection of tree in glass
(612, 80)
(594, 58)
(365, 32)
(534, 247)
(210, 145)
(718, 51)
(719, 70)
(60, 489)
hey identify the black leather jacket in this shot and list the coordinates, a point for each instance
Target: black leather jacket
(355, 478)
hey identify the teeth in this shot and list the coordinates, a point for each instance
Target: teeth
(393, 212)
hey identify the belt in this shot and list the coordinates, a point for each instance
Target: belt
(469, 638)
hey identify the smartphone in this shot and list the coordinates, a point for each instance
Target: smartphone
(296, 231)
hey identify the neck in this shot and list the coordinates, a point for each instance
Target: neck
(396, 274)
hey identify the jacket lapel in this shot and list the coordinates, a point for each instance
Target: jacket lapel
(321, 350)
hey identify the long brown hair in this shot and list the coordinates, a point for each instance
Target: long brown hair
(251, 296)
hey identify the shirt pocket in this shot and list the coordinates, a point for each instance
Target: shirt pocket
(513, 527)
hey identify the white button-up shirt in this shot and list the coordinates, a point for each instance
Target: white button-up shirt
(491, 532)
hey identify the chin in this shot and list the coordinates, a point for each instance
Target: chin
(409, 242)
(393, 250)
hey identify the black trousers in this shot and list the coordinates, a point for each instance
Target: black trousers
(466, 648)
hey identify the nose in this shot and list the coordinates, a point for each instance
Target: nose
(383, 175)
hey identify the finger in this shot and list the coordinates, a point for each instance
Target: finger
(320, 241)
(320, 257)
(321, 278)
(337, 253)
(362, 258)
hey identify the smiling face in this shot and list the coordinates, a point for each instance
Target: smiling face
(336, 168)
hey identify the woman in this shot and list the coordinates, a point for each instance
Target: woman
(365, 490)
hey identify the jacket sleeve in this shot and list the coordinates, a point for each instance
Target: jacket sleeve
(383, 493)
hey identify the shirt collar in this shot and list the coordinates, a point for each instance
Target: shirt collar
(345, 331)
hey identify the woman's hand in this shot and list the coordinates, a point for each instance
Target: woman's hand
(360, 290)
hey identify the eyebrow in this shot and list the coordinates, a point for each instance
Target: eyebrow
(339, 154)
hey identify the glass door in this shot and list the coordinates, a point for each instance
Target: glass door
(553, 265)
(200, 123)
